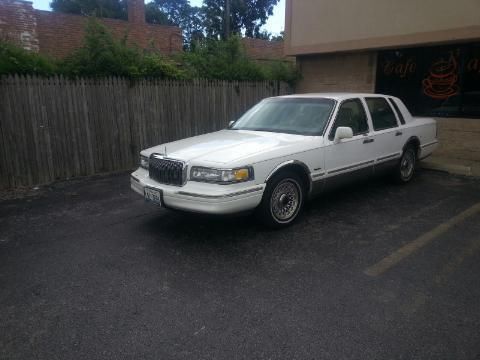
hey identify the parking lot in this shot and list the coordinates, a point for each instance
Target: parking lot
(372, 271)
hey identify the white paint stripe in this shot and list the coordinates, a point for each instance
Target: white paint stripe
(408, 249)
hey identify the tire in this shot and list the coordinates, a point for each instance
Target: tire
(282, 200)
(405, 169)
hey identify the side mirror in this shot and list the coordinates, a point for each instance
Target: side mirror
(231, 123)
(343, 132)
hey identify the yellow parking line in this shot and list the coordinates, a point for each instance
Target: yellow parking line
(408, 249)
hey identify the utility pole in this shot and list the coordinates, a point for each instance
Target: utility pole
(226, 25)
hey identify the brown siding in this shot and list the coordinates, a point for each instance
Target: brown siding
(314, 26)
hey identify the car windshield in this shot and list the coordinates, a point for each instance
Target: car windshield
(305, 116)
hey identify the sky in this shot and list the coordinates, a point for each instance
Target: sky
(275, 23)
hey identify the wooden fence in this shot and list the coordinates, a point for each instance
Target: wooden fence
(56, 128)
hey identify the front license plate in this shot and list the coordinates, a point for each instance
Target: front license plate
(153, 195)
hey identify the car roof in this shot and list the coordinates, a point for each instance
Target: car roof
(336, 96)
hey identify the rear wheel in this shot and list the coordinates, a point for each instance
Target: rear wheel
(282, 200)
(405, 169)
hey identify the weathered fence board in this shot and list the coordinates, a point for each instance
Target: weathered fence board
(56, 128)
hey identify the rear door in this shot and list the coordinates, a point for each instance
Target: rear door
(349, 156)
(387, 135)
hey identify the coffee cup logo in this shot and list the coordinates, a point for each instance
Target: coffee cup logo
(442, 80)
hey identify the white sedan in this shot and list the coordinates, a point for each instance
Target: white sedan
(283, 151)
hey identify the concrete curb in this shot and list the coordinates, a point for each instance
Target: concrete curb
(450, 168)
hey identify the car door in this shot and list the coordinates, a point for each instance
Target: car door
(387, 135)
(348, 158)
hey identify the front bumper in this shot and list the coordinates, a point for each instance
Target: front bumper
(202, 197)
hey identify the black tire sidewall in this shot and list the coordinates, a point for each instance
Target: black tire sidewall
(400, 177)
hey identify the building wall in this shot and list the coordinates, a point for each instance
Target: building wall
(57, 34)
(459, 139)
(337, 72)
(314, 26)
(18, 24)
(259, 49)
(355, 72)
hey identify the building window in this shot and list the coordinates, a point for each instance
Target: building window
(433, 81)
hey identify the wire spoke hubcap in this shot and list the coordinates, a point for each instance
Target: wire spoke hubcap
(285, 200)
(407, 164)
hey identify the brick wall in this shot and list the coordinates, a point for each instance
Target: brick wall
(459, 138)
(258, 49)
(352, 72)
(18, 23)
(57, 34)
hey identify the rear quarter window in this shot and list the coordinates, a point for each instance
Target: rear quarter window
(397, 110)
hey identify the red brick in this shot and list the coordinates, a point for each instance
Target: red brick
(57, 34)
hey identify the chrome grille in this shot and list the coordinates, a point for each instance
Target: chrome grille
(166, 171)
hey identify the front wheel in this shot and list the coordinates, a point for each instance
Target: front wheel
(406, 167)
(282, 200)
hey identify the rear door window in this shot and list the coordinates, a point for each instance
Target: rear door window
(382, 114)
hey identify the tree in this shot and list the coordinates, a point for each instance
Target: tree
(153, 15)
(279, 37)
(246, 16)
(182, 14)
(264, 35)
(116, 9)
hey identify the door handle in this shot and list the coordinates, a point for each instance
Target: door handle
(398, 133)
(366, 141)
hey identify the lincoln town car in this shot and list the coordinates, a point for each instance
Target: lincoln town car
(284, 151)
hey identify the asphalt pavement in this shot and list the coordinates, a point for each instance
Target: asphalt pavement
(88, 270)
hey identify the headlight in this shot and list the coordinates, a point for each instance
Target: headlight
(221, 176)
(144, 162)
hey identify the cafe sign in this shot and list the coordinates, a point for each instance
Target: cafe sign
(438, 81)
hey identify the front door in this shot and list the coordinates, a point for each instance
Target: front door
(348, 158)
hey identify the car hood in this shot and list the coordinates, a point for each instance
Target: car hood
(227, 146)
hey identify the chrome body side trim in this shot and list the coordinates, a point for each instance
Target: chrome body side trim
(429, 144)
(224, 196)
(351, 166)
(388, 157)
(289, 162)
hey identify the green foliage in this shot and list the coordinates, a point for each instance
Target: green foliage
(103, 55)
(283, 71)
(15, 60)
(246, 16)
(226, 60)
(213, 59)
(153, 15)
(180, 13)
